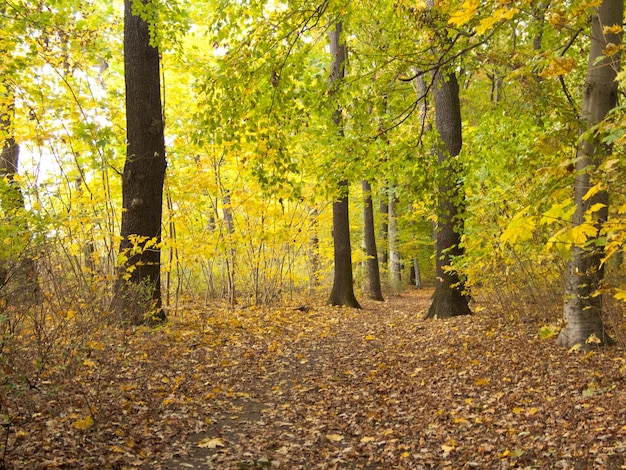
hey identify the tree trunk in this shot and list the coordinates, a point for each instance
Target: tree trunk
(384, 229)
(416, 274)
(314, 255)
(449, 299)
(137, 296)
(582, 310)
(230, 260)
(343, 288)
(369, 238)
(395, 264)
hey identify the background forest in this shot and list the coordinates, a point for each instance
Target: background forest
(263, 136)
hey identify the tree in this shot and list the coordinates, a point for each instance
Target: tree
(138, 289)
(449, 298)
(582, 309)
(369, 240)
(395, 264)
(343, 290)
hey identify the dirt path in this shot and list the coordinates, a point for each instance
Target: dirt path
(285, 403)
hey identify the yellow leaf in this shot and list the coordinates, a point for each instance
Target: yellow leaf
(520, 228)
(615, 29)
(366, 439)
(370, 338)
(334, 437)
(117, 449)
(558, 66)
(582, 232)
(574, 348)
(486, 24)
(595, 189)
(482, 381)
(211, 443)
(95, 345)
(620, 294)
(465, 13)
(460, 420)
(533, 411)
(593, 339)
(89, 363)
(500, 14)
(83, 423)
(612, 49)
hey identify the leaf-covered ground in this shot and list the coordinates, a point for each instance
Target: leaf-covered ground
(322, 387)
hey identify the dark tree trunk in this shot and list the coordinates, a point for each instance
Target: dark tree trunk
(449, 299)
(137, 296)
(343, 288)
(582, 310)
(369, 237)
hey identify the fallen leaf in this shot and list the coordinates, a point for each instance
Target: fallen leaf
(211, 443)
(83, 423)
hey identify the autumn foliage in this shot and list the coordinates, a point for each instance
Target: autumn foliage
(252, 368)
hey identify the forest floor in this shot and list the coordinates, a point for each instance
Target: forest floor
(324, 388)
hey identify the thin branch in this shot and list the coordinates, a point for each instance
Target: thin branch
(450, 59)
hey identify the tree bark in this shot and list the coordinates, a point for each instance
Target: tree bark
(384, 229)
(449, 298)
(230, 260)
(137, 293)
(416, 275)
(343, 289)
(369, 238)
(582, 310)
(395, 264)
(313, 251)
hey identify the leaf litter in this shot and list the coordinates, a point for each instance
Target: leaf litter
(332, 388)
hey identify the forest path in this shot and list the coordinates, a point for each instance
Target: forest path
(284, 406)
(382, 388)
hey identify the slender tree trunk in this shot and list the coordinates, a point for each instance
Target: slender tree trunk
(384, 229)
(416, 274)
(343, 288)
(137, 296)
(582, 310)
(369, 237)
(230, 260)
(449, 298)
(395, 264)
(314, 255)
